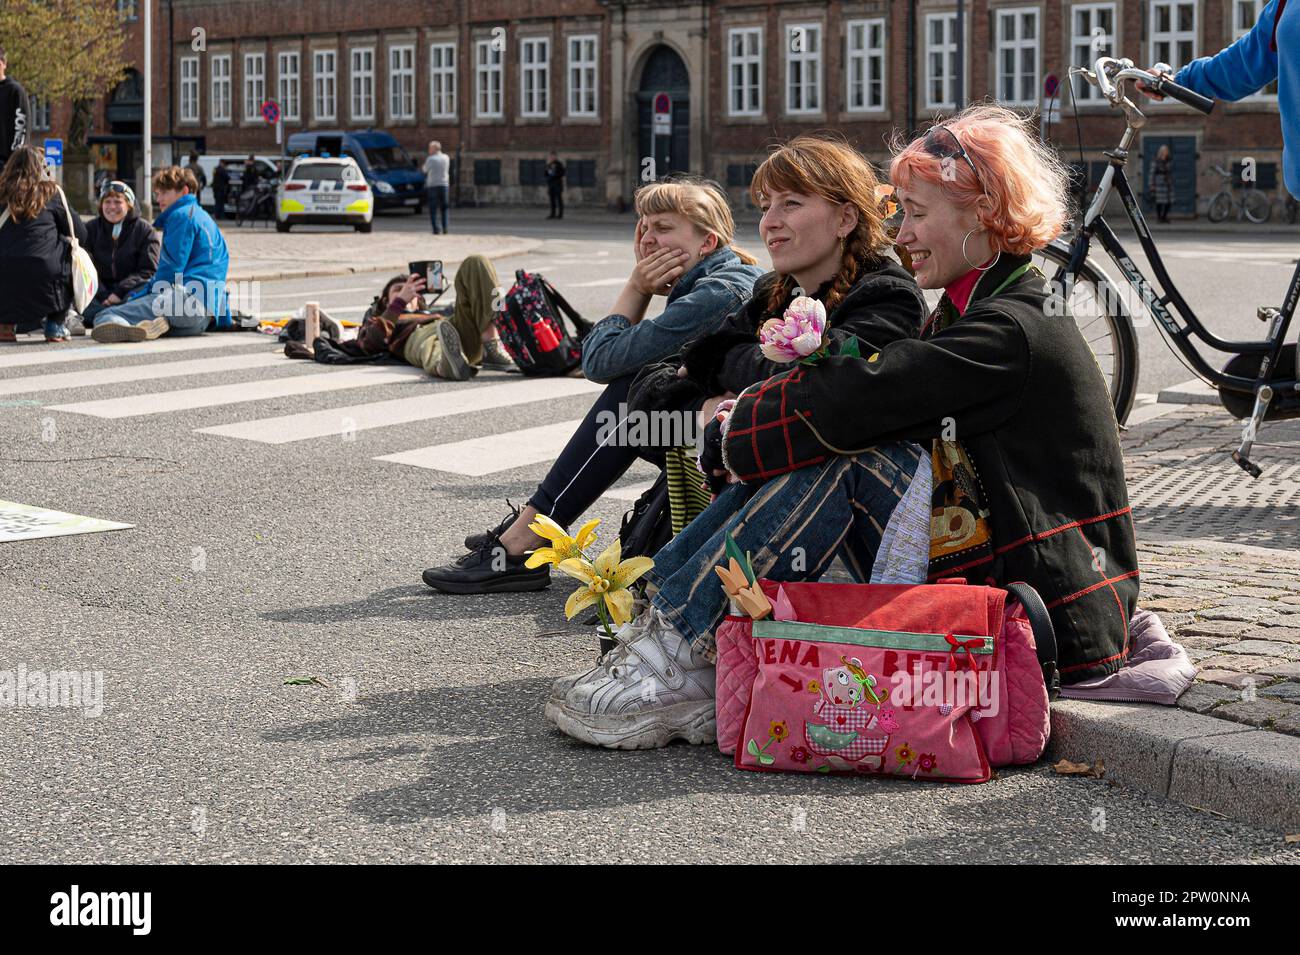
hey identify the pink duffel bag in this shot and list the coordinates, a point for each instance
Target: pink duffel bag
(932, 681)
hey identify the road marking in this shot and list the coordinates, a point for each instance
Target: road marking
(188, 399)
(61, 353)
(598, 283)
(381, 414)
(322, 293)
(116, 376)
(491, 453)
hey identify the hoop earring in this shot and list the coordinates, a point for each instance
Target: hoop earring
(964, 240)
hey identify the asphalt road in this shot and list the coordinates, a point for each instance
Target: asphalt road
(253, 563)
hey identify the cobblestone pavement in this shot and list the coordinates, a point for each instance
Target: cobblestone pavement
(1220, 558)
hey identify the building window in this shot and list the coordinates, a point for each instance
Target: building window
(220, 106)
(745, 71)
(442, 81)
(1173, 32)
(362, 77)
(1245, 14)
(487, 172)
(865, 65)
(40, 108)
(190, 89)
(289, 77)
(487, 78)
(401, 82)
(254, 85)
(803, 68)
(128, 9)
(534, 76)
(582, 75)
(1017, 56)
(940, 60)
(324, 68)
(1093, 36)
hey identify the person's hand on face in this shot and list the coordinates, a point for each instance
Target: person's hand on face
(667, 232)
(407, 291)
(656, 272)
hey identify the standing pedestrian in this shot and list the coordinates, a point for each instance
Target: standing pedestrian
(194, 167)
(220, 189)
(555, 186)
(14, 112)
(35, 272)
(1162, 183)
(437, 184)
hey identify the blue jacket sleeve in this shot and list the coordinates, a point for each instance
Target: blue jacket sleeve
(616, 347)
(1239, 70)
(177, 249)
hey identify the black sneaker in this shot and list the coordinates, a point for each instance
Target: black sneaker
(476, 573)
(475, 541)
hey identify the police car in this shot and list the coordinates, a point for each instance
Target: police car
(324, 191)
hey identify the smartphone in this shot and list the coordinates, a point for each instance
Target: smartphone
(431, 269)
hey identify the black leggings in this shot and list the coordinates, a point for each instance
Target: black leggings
(586, 468)
(557, 205)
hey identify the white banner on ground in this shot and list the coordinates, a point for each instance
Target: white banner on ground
(25, 522)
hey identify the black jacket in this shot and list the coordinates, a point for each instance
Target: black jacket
(36, 266)
(127, 263)
(15, 117)
(555, 176)
(1014, 381)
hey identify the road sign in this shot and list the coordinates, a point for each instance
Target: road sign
(1051, 85)
(271, 112)
(54, 152)
(663, 115)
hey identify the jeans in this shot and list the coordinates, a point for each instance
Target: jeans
(557, 204)
(437, 199)
(793, 526)
(191, 319)
(586, 468)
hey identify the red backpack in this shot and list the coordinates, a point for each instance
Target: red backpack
(530, 323)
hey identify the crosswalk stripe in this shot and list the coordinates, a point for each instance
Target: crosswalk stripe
(381, 414)
(191, 398)
(116, 376)
(61, 353)
(490, 453)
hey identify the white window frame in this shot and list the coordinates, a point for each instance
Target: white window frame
(948, 50)
(254, 86)
(810, 61)
(745, 71)
(489, 79)
(220, 105)
(1238, 31)
(128, 10)
(858, 61)
(324, 85)
(361, 84)
(442, 81)
(288, 83)
(40, 109)
(535, 77)
(401, 82)
(1173, 36)
(1082, 51)
(583, 71)
(1017, 45)
(190, 70)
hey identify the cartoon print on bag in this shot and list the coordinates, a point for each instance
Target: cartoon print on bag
(850, 734)
(776, 732)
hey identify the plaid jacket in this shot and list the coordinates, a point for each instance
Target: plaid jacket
(1014, 381)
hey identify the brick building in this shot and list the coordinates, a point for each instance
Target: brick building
(501, 82)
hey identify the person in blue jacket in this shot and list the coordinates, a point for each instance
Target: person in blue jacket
(1270, 51)
(189, 288)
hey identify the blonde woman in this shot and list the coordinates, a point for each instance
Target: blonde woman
(683, 247)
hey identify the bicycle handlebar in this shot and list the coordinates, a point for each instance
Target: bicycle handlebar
(1109, 75)
(1167, 87)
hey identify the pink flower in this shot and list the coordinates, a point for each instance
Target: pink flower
(795, 335)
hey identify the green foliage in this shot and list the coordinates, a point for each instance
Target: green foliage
(64, 49)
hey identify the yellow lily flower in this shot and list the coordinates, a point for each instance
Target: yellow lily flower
(606, 581)
(563, 547)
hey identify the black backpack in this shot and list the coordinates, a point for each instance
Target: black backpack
(531, 325)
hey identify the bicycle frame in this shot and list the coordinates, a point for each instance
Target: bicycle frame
(1178, 335)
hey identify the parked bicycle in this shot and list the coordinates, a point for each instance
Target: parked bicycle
(256, 204)
(1252, 205)
(1258, 383)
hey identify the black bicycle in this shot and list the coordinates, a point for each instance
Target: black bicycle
(1258, 383)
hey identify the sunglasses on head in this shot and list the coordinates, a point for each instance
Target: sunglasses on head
(114, 186)
(942, 143)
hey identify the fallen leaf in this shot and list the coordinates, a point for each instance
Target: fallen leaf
(1292, 837)
(302, 681)
(1067, 768)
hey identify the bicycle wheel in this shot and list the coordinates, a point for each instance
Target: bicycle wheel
(1257, 206)
(1105, 320)
(1220, 207)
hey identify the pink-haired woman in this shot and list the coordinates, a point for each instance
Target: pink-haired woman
(986, 449)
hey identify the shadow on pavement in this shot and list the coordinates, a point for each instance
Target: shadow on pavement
(417, 603)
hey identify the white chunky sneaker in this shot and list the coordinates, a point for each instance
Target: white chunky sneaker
(659, 691)
(625, 635)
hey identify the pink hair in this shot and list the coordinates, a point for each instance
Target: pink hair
(1022, 199)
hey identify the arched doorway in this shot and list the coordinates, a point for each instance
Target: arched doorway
(125, 115)
(664, 72)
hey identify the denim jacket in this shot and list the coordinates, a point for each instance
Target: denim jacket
(717, 286)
